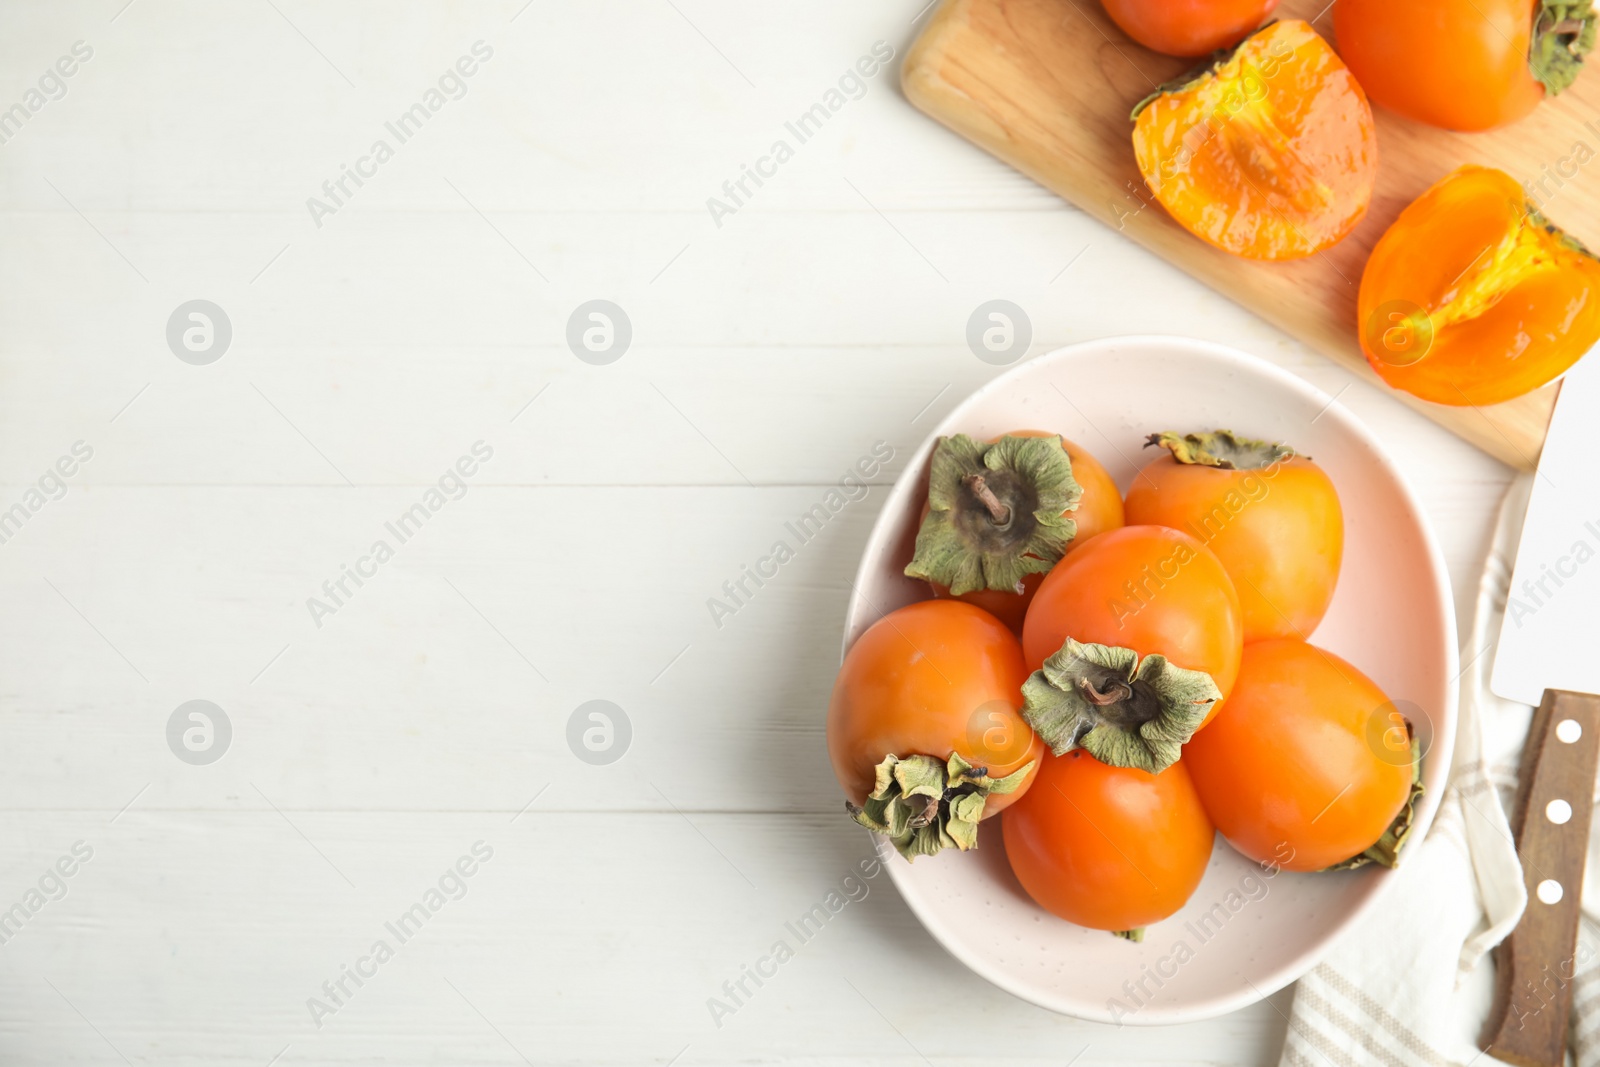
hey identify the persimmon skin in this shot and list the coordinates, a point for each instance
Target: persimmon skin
(1149, 588)
(1531, 307)
(1279, 532)
(1456, 64)
(932, 678)
(1098, 510)
(1110, 848)
(1100, 507)
(1287, 772)
(1010, 608)
(1274, 156)
(1188, 27)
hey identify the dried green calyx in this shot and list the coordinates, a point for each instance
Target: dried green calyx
(1222, 449)
(995, 512)
(1386, 850)
(1123, 710)
(1563, 34)
(925, 805)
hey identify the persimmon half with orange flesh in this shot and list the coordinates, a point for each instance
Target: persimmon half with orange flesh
(1474, 297)
(1268, 152)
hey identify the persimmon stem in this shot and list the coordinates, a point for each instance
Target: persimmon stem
(924, 804)
(997, 512)
(924, 809)
(1115, 693)
(980, 489)
(1122, 708)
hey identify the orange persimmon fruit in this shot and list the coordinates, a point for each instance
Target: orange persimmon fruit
(924, 730)
(1187, 27)
(1272, 517)
(1133, 641)
(1297, 771)
(1001, 513)
(1268, 152)
(1110, 848)
(1474, 297)
(1463, 64)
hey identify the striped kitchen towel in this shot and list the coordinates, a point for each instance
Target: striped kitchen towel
(1411, 986)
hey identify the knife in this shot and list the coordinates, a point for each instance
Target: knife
(1549, 656)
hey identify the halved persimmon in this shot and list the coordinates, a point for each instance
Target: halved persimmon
(1474, 297)
(1268, 152)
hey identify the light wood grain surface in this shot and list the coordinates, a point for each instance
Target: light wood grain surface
(430, 711)
(1047, 85)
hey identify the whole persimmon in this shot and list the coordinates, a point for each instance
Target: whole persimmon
(1134, 641)
(1001, 513)
(1110, 848)
(1272, 517)
(1269, 152)
(1187, 27)
(1463, 64)
(1299, 772)
(924, 729)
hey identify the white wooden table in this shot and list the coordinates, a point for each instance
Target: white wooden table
(372, 345)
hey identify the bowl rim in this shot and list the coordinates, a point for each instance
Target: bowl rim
(1435, 774)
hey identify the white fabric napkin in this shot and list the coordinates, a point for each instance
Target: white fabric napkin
(1412, 984)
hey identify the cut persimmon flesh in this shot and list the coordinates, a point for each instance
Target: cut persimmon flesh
(1267, 152)
(1474, 297)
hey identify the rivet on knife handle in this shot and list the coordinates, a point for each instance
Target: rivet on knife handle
(1534, 966)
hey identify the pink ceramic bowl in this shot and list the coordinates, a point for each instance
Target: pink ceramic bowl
(1242, 935)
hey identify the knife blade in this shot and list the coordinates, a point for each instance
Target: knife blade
(1548, 655)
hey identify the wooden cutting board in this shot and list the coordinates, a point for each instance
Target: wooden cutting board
(1047, 86)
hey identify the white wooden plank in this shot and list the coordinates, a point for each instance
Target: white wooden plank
(198, 938)
(356, 355)
(434, 664)
(487, 629)
(553, 119)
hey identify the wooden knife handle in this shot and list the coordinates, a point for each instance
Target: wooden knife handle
(1534, 966)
